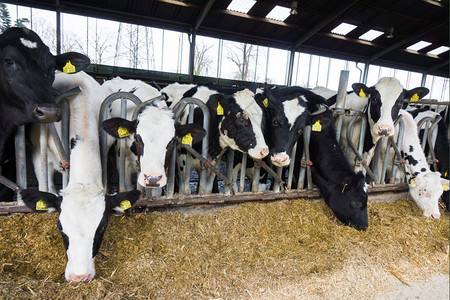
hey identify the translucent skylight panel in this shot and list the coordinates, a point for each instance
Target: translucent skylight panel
(279, 13)
(439, 50)
(419, 45)
(242, 6)
(343, 28)
(371, 35)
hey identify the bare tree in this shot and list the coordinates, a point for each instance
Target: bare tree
(201, 59)
(241, 55)
(101, 42)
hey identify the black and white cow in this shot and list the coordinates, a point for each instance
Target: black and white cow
(441, 147)
(286, 111)
(153, 135)
(425, 186)
(381, 103)
(26, 75)
(238, 125)
(343, 191)
(144, 92)
(83, 206)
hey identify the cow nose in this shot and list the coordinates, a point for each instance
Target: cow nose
(383, 130)
(79, 278)
(152, 181)
(264, 152)
(47, 114)
(435, 216)
(280, 159)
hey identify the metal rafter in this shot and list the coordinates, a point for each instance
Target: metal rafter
(203, 14)
(409, 39)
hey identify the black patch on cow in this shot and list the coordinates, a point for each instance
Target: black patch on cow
(64, 236)
(190, 92)
(412, 161)
(423, 170)
(98, 237)
(73, 143)
(411, 148)
(375, 105)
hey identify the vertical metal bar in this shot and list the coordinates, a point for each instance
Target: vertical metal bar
(306, 139)
(43, 138)
(401, 132)
(187, 169)
(122, 150)
(291, 166)
(255, 183)
(242, 175)
(65, 117)
(230, 160)
(171, 174)
(290, 67)
(276, 184)
(21, 164)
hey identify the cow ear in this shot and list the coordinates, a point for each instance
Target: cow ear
(71, 62)
(191, 133)
(361, 90)
(122, 201)
(415, 94)
(119, 128)
(41, 202)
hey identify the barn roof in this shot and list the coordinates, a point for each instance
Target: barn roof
(309, 30)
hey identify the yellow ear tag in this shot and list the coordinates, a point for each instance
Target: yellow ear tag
(122, 132)
(219, 109)
(266, 103)
(69, 68)
(317, 127)
(413, 182)
(41, 205)
(414, 98)
(125, 204)
(446, 173)
(362, 94)
(187, 139)
(445, 187)
(343, 189)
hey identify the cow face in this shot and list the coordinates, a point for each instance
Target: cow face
(425, 189)
(27, 73)
(83, 218)
(155, 134)
(239, 121)
(347, 200)
(384, 102)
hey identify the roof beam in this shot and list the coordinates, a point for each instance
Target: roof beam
(437, 66)
(323, 23)
(409, 39)
(203, 14)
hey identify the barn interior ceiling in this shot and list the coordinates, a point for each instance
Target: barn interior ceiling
(309, 26)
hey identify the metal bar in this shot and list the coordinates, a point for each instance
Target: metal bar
(255, 182)
(43, 138)
(230, 160)
(182, 200)
(291, 167)
(21, 163)
(306, 139)
(242, 175)
(64, 158)
(65, 136)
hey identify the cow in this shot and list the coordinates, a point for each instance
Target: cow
(441, 147)
(425, 186)
(286, 111)
(343, 191)
(83, 206)
(144, 92)
(26, 75)
(380, 103)
(153, 136)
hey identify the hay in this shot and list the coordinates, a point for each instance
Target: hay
(284, 249)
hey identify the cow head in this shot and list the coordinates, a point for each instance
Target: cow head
(83, 218)
(287, 110)
(384, 102)
(426, 189)
(154, 135)
(26, 75)
(239, 121)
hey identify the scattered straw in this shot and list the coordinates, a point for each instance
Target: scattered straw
(284, 249)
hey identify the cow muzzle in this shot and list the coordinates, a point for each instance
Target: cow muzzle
(384, 130)
(258, 153)
(280, 159)
(152, 181)
(79, 278)
(47, 114)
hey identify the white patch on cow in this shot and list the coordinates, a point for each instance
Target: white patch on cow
(389, 89)
(292, 109)
(82, 209)
(28, 43)
(426, 187)
(156, 128)
(425, 114)
(175, 92)
(245, 99)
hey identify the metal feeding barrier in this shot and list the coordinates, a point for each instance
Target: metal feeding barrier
(231, 168)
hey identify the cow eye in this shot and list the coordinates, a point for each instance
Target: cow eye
(241, 122)
(9, 62)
